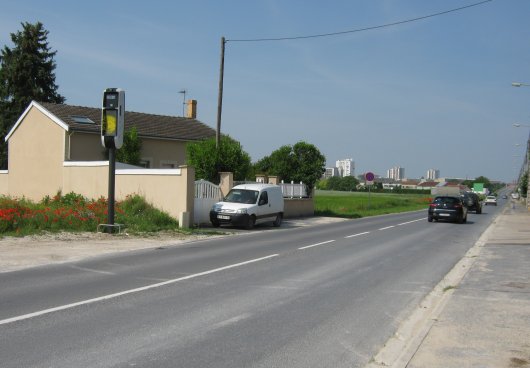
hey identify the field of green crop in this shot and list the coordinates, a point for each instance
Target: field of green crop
(362, 204)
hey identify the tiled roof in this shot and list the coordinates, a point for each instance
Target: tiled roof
(147, 125)
(428, 184)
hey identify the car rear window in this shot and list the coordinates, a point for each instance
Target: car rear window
(446, 200)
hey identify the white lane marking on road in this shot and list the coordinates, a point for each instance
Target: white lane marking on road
(388, 227)
(92, 270)
(354, 235)
(410, 222)
(131, 291)
(316, 245)
(231, 321)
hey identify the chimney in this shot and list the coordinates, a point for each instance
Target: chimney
(191, 110)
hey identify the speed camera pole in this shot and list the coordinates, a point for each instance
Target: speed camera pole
(112, 126)
(112, 187)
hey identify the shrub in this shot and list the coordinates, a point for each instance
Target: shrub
(73, 212)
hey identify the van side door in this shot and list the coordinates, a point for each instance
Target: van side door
(264, 207)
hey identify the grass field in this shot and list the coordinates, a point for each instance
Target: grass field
(361, 204)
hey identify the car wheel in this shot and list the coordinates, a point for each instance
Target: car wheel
(251, 222)
(278, 221)
(465, 219)
(429, 218)
(479, 211)
(215, 223)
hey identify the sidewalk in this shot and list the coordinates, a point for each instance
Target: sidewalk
(482, 320)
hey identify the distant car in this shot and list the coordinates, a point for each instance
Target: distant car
(504, 196)
(490, 200)
(472, 202)
(515, 195)
(448, 208)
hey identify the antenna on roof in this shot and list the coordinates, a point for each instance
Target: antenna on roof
(183, 91)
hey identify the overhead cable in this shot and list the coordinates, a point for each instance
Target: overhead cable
(360, 29)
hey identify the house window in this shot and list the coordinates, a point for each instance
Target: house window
(168, 164)
(81, 119)
(145, 162)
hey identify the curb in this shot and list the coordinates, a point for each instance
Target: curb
(401, 348)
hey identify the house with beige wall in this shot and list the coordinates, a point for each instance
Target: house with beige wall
(57, 147)
(163, 137)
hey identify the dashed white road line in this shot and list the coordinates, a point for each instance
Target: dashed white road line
(388, 227)
(92, 270)
(410, 222)
(316, 245)
(354, 235)
(131, 291)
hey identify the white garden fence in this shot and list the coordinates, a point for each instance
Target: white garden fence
(206, 195)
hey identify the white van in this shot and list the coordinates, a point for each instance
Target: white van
(249, 204)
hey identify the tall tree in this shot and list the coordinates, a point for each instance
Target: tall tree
(301, 162)
(26, 74)
(208, 161)
(130, 152)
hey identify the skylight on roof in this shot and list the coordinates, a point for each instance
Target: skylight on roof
(81, 119)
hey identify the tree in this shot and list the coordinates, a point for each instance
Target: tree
(348, 184)
(26, 74)
(208, 161)
(523, 185)
(129, 153)
(301, 162)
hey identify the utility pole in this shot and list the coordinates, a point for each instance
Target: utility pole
(220, 98)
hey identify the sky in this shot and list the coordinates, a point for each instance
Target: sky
(430, 94)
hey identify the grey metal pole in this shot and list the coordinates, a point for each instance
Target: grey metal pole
(220, 98)
(112, 176)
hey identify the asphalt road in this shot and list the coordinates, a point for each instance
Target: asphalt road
(327, 296)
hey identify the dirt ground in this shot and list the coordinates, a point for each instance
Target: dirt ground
(18, 253)
(29, 251)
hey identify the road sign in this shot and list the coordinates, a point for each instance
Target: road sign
(369, 177)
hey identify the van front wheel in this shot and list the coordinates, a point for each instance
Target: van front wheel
(251, 222)
(278, 221)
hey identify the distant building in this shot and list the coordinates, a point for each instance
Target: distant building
(433, 174)
(330, 172)
(346, 167)
(396, 173)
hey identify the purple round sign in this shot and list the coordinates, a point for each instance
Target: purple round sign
(369, 176)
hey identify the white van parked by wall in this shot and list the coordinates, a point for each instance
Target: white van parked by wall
(249, 204)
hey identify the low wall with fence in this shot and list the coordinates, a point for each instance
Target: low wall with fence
(298, 207)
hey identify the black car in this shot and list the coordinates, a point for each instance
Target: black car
(472, 202)
(449, 208)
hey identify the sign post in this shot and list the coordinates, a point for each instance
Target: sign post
(112, 126)
(369, 178)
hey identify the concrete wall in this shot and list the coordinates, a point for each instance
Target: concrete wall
(4, 182)
(171, 190)
(298, 207)
(160, 151)
(84, 147)
(88, 178)
(36, 154)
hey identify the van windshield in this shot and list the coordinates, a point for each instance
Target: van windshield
(242, 196)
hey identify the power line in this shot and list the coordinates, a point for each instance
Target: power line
(361, 29)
